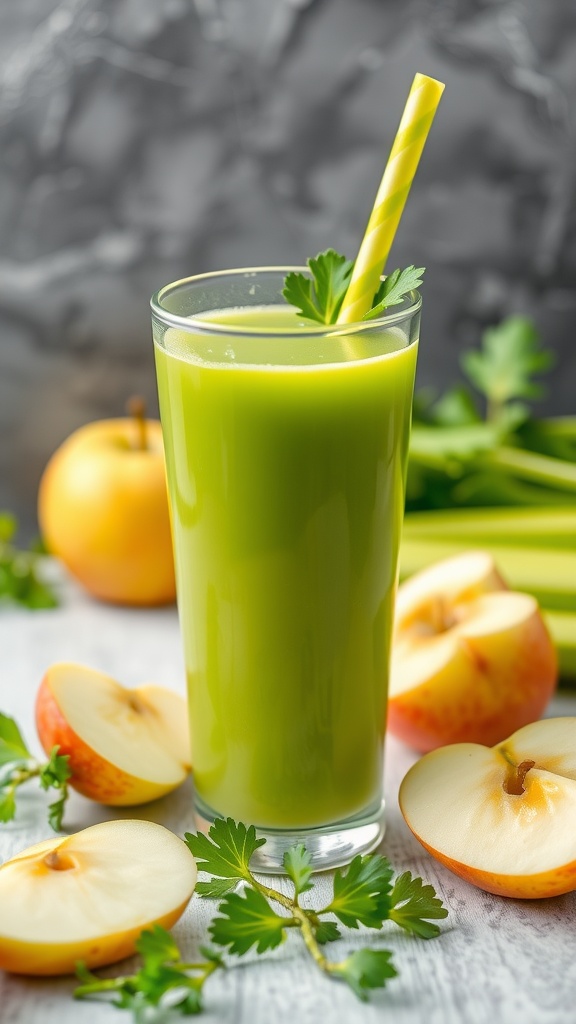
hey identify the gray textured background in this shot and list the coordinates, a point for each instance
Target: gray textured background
(143, 140)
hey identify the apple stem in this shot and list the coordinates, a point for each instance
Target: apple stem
(514, 783)
(136, 407)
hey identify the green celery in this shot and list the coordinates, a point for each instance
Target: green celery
(548, 574)
(544, 527)
(562, 626)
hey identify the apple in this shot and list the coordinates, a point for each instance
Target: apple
(88, 897)
(503, 818)
(471, 660)
(103, 510)
(125, 747)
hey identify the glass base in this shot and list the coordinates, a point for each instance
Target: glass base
(329, 846)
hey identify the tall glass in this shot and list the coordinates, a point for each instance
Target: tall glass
(286, 451)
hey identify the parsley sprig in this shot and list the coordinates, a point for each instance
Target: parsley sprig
(18, 766)
(365, 894)
(164, 980)
(320, 296)
(19, 580)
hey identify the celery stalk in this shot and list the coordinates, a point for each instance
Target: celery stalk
(541, 526)
(562, 626)
(548, 574)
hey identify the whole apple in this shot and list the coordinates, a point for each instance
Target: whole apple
(103, 510)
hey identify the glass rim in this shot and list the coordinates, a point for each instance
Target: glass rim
(198, 323)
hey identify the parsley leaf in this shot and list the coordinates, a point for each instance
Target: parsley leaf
(393, 289)
(226, 850)
(413, 904)
(248, 920)
(19, 581)
(7, 804)
(12, 745)
(299, 867)
(216, 887)
(506, 363)
(156, 945)
(17, 766)
(327, 931)
(320, 297)
(366, 969)
(55, 775)
(164, 980)
(362, 893)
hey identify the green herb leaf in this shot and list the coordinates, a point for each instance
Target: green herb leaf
(320, 297)
(298, 866)
(54, 775)
(362, 893)
(7, 804)
(367, 969)
(247, 920)
(216, 887)
(327, 931)
(393, 289)
(56, 772)
(12, 745)
(509, 358)
(156, 946)
(226, 850)
(414, 904)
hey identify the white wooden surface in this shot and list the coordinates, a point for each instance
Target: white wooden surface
(497, 962)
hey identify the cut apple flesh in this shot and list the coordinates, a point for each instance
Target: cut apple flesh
(87, 897)
(503, 818)
(457, 580)
(125, 746)
(425, 649)
(471, 660)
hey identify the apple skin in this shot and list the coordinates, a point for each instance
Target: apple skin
(472, 661)
(109, 858)
(61, 958)
(537, 887)
(92, 775)
(502, 818)
(492, 686)
(103, 510)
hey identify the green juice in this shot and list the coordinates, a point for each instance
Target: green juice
(286, 476)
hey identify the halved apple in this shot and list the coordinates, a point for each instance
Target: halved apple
(88, 897)
(471, 660)
(504, 818)
(125, 746)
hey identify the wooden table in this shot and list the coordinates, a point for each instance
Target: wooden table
(497, 962)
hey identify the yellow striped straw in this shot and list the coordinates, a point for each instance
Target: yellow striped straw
(421, 106)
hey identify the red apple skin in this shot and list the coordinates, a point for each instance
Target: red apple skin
(533, 887)
(26, 958)
(485, 696)
(92, 775)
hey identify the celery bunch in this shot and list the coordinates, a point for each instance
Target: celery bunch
(486, 474)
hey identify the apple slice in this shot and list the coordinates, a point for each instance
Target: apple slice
(125, 746)
(471, 660)
(88, 897)
(504, 818)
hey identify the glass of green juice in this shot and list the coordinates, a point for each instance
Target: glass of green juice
(286, 446)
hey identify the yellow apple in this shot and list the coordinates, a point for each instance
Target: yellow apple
(125, 747)
(103, 510)
(504, 818)
(471, 660)
(88, 897)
